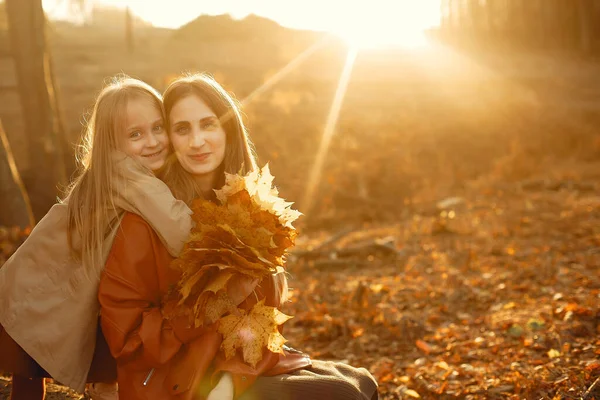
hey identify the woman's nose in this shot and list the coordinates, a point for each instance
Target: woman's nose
(197, 139)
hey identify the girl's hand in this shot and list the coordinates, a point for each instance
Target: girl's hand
(223, 390)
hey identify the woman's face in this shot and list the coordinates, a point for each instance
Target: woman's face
(198, 138)
(145, 137)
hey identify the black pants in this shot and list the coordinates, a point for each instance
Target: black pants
(324, 380)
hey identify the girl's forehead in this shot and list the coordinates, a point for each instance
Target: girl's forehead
(139, 110)
(142, 101)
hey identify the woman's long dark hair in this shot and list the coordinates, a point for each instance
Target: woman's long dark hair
(239, 154)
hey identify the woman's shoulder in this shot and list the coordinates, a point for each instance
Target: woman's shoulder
(134, 225)
(131, 218)
(134, 239)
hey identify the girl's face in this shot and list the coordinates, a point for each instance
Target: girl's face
(145, 137)
(198, 139)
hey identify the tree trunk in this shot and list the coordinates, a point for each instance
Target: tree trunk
(16, 209)
(445, 13)
(586, 13)
(26, 29)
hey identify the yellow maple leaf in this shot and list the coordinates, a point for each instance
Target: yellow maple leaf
(218, 305)
(252, 332)
(219, 281)
(214, 302)
(230, 257)
(234, 183)
(207, 213)
(259, 186)
(209, 277)
(209, 307)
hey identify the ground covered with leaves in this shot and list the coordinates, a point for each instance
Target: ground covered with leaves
(493, 294)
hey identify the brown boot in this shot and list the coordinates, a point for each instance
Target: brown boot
(24, 388)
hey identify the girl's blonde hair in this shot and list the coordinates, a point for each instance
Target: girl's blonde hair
(90, 197)
(239, 154)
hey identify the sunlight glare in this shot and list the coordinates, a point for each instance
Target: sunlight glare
(386, 24)
(283, 72)
(380, 39)
(363, 24)
(332, 118)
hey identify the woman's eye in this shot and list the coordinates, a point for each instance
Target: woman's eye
(209, 125)
(182, 130)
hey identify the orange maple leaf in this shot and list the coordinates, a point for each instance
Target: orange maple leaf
(252, 332)
(212, 301)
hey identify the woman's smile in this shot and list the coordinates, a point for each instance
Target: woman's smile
(200, 157)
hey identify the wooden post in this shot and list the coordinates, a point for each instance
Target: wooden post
(26, 29)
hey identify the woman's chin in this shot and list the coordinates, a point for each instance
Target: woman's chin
(199, 170)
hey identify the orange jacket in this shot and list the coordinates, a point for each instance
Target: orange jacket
(159, 358)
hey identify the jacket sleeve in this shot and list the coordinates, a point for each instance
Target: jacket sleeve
(130, 300)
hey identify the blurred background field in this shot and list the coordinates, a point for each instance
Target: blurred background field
(461, 183)
(415, 123)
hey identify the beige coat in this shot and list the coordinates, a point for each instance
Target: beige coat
(48, 305)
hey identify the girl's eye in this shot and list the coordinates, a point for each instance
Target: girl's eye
(135, 134)
(158, 128)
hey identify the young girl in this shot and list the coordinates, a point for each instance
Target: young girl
(159, 358)
(48, 288)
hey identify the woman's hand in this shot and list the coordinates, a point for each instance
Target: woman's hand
(223, 390)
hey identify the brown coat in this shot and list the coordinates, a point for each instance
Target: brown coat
(49, 303)
(170, 357)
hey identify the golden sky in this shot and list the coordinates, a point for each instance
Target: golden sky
(381, 20)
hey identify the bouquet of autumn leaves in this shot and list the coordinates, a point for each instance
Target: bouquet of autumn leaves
(244, 236)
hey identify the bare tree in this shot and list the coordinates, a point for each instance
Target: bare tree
(16, 207)
(571, 25)
(26, 22)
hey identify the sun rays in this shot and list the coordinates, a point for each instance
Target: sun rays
(289, 67)
(332, 118)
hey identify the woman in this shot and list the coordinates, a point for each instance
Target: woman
(159, 358)
(48, 288)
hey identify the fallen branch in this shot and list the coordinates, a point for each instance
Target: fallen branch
(385, 245)
(334, 238)
(590, 389)
(320, 249)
